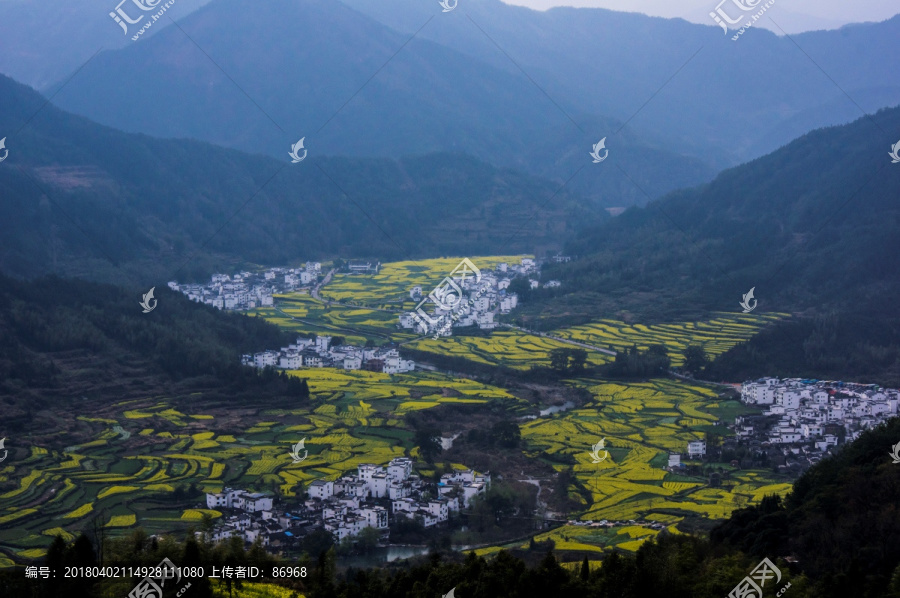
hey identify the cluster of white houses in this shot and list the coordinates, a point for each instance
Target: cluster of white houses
(807, 410)
(373, 497)
(696, 449)
(476, 299)
(320, 353)
(248, 290)
(343, 501)
(804, 419)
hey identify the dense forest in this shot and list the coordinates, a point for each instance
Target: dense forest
(805, 235)
(814, 241)
(835, 535)
(64, 339)
(859, 348)
(79, 199)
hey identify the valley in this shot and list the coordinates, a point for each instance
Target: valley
(449, 299)
(117, 466)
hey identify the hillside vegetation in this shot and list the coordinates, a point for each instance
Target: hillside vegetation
(80, 199)
(839, 524)
(812, 239)
(70, 340)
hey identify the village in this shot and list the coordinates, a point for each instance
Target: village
(462, 300)
(374, 497)
(804, 419)
(477, 299)
(249, 290)
(459, 301)
(322, 352)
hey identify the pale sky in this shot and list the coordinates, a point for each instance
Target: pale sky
(792, 15)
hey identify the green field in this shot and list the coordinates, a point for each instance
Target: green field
(130, 458)
(642, 423)
(716, 335)
(510, 348)
(127, 479)
(303, 314)
(391, 286)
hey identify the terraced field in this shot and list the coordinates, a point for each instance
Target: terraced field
(303, 314)
(125, 468)
(511, 348)
(126, 480)
(716, 335)
(391, 286)
(642, 423)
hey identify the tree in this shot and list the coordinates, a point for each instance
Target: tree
(428, 439)
(317, 542)
(713, 445)
(585, 569)
(695, 359)
(568, 361)
(207, 523)
(506, 434)
(56, 555)
(82, 552)
(577, 359)
(559, 360)
(521, 287)
(201, 586)
(367, 539)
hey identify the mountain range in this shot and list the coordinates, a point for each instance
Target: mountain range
(809, 227)
(511, 86)
(81, 199)
(45, 41)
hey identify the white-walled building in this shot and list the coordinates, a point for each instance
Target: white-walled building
(321, 489)
(696, 448)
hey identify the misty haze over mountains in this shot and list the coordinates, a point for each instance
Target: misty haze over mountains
(451, 251)
(511, 86)
(87, 195)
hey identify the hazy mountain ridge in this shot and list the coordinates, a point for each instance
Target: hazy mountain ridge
(47, 40)
(92, 195)
(733, 99)
(310, 58)
(458, 85)
(808, 226)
